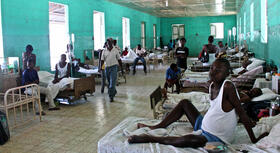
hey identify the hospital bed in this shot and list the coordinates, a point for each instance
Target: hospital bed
(115, 141)
(19, 106)
(200, 100)
(69, 88)
(130, 58)
(199, 80)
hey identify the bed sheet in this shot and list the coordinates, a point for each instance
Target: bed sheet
(46, 79)
(115, 141)
(199, 99)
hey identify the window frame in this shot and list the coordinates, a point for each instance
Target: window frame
(252, 20)
(2, 54)
(264, 26)
(126, 32)
(216, 35)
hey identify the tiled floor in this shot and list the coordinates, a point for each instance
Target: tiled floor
(77, 129)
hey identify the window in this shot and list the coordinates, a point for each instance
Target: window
(1, 35)
(244, 26)
(155, 36)
(252, 22)
(98, 30)
(240, 25)
(178, 31)
(143, 34)
(217, 30)
(264, 21)
(59, 31)
(126, 32)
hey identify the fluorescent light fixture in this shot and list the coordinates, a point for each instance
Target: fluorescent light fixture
(166, 3)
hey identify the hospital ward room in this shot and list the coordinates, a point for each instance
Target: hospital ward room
(139, 76)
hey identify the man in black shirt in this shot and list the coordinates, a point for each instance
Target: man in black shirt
(182, 54)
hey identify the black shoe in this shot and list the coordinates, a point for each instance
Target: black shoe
(54, 109)
(134, 72)
(102, 91)
(145, 72)
(42, 113)
(111, 99)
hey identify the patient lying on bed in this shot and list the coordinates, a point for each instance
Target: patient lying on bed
(218, 124)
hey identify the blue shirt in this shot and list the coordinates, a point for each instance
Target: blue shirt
(170, 74)
(29, 75)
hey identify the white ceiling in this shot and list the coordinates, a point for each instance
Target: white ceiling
(184, 8)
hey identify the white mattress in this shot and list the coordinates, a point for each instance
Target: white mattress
(115, 141)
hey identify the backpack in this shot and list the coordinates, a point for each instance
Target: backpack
(4, 129)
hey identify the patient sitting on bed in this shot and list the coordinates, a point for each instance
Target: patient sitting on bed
(30, 76)
(218, 124)
(62, 69)
(172, 77)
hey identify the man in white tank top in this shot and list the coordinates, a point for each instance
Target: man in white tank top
(218, 124)
(62, 69)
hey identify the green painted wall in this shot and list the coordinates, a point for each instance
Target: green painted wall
(193, 25)
(26, 22)
(269, 51)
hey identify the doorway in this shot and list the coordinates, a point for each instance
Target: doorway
(59, 31)
(98, 30)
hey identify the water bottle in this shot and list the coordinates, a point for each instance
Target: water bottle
(274, 106)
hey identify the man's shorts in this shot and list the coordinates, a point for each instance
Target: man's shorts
(207, 135)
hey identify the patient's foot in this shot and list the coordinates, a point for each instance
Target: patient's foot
(141, 125)
(139, 139)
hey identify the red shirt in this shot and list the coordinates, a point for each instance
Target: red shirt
(124, 53)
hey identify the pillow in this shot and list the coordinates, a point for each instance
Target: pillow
(267, 95)
(237, 70)
(44, 74)
(240, 54)
(251, 73)
(255, 63)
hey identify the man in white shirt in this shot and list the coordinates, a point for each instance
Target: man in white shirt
(112, 58)
(141, 53)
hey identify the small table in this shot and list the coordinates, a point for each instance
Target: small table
(262, 83)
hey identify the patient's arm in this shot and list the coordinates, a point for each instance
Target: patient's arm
(232, 97)
(193, 141)
(244, 98)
